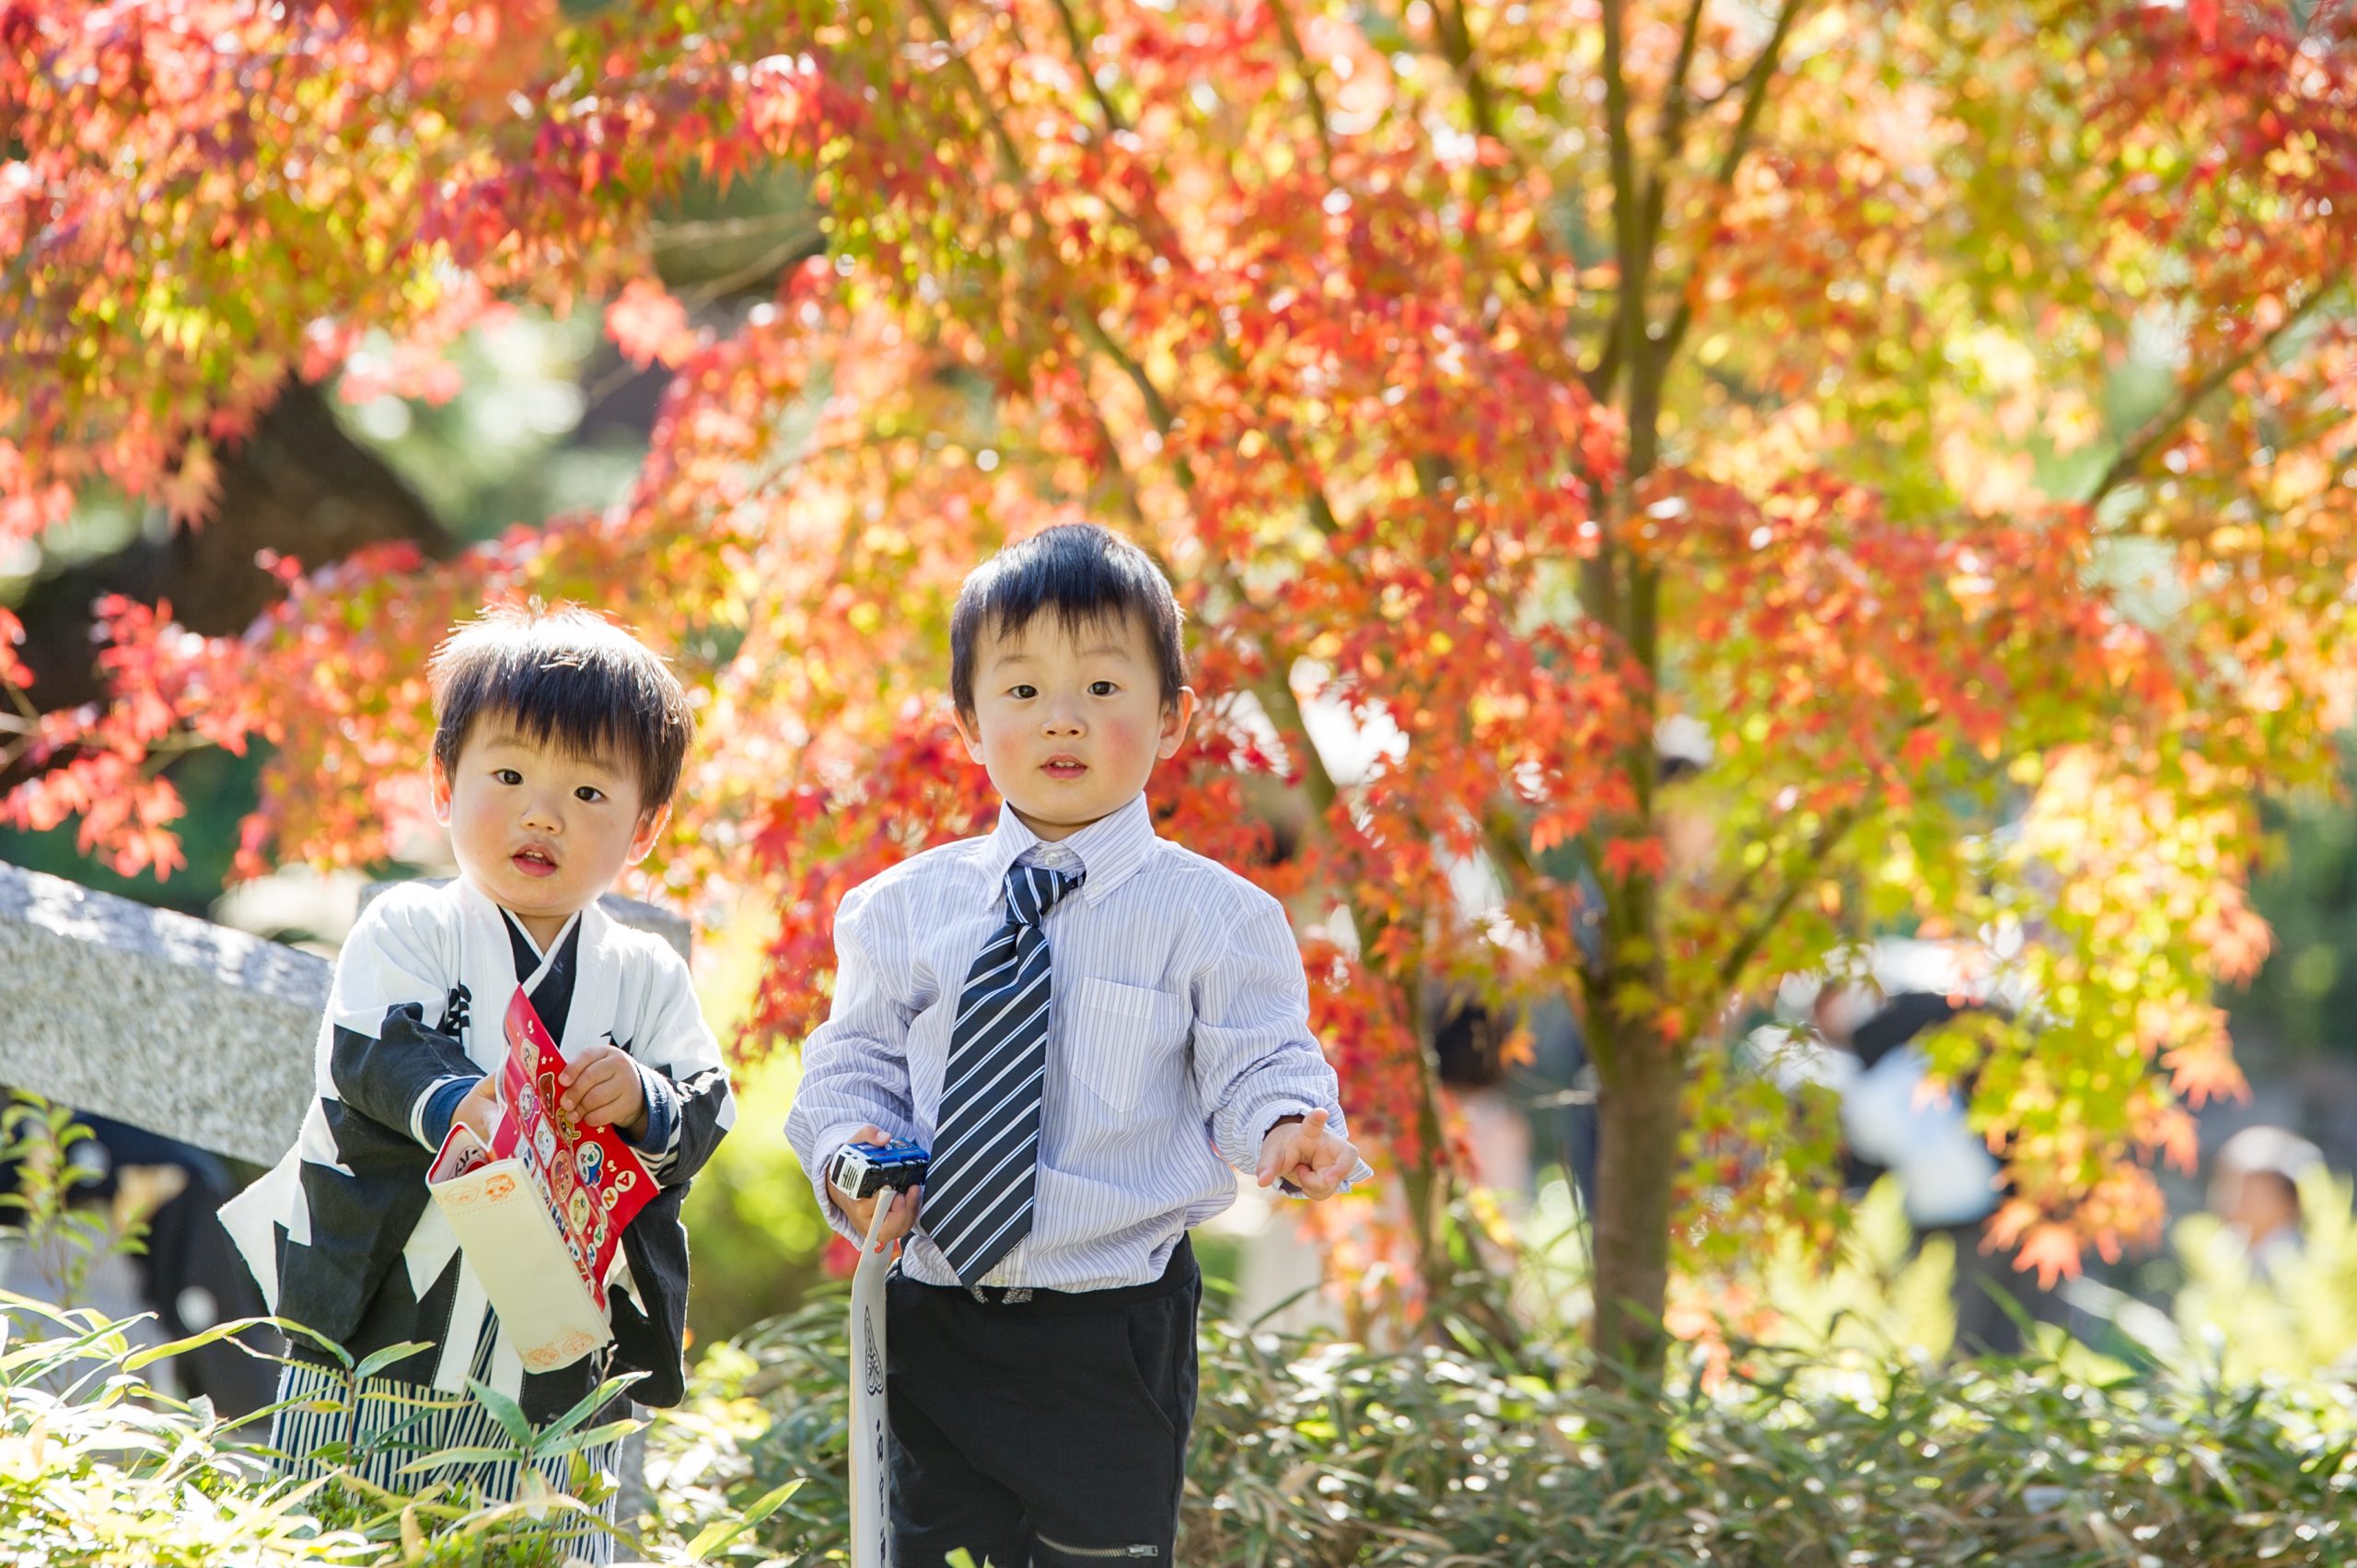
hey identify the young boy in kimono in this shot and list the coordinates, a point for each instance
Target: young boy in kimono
(558, 746)
(1093, 1030)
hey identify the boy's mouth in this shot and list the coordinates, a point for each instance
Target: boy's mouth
(534, 861)
(1063, 767)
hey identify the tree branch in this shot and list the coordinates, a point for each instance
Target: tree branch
(1314, 499)
(1457, 47)
(1755, 99)
(1113, 121)
(1629, 308)
(1313, 494)
(1308, 75)
(1599, 379)
(1828, 835)
(1156, 408)
(1501, 835)
(1010, 157)
(1675, 106)
(2163, 426)
(1124, 482)
(1277, 694)
(297, 484)
(808, 240)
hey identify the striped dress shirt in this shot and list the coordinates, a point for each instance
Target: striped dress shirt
(1178, 1035)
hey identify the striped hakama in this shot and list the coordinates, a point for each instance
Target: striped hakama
(394, 1423)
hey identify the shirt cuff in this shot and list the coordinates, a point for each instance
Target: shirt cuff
(430, 1119)
(835, 1138)
(659, 1144)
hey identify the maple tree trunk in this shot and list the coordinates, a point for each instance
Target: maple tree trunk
(1429, 1186)
(1638, 1116)
(1641, 1076)
(297, 484)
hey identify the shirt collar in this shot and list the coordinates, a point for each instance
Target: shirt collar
(1108, 849)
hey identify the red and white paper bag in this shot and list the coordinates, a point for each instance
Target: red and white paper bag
(539, 1211)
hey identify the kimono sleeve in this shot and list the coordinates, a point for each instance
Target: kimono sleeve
(380, 1056)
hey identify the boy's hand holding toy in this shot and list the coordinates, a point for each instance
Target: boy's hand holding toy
(901, 1216)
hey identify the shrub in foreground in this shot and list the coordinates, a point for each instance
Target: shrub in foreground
(1310, 1453)
(1316, 1453)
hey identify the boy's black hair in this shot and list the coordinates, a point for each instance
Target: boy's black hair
(568, 676)
(1082, 573)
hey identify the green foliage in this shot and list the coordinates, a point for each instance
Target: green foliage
(38, 1139)
(1309, 1453)
(2229, 1324)
(99, 1471)
(1316, 1453)
(1883, 1291)
(768, 1407)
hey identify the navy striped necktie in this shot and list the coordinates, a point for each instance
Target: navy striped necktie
(979, 1193)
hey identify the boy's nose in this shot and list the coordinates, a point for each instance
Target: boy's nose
(543, 816)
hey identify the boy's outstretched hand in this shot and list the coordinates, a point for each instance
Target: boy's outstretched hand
(1306, 1153)
(861, 1212)
(601, 1087)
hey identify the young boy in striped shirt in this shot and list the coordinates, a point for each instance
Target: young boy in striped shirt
(1088, 1026)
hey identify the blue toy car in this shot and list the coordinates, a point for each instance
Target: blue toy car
(865, 1170)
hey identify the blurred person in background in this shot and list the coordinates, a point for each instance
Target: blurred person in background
(1893, 1119)
(2254, 1188)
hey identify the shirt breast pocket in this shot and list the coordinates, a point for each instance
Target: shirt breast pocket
(1124, 1038)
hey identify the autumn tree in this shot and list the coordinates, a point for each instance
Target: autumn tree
(1502, 380)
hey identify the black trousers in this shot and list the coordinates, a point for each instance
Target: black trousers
(1049, 1432)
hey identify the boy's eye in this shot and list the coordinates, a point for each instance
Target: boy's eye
(1102, 688)
(1022, 690)
(507, 775)
(589, 793)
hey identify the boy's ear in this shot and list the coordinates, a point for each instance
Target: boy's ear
(650, 828)
(969, 730)
(439, 787)
(1177, 716)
